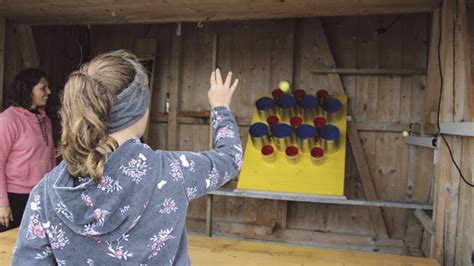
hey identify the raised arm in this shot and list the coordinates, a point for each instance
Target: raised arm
(206, 171)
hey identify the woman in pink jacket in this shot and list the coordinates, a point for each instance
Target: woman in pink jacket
(26, 145)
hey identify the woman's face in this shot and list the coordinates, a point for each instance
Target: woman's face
(40, 93)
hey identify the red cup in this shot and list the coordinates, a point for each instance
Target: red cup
(319, 122)
(296, 121)
(317, 156)
(299, 93)
(292, 154)
(273, 120)
(277, 93)
(268, 153)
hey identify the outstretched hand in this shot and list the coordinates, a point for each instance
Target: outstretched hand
(220, 93)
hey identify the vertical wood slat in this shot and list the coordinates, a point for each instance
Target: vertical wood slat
(176, 43)
(450, 244)
(364, 171)
(463, 110)
(27, 44)
(211, 139)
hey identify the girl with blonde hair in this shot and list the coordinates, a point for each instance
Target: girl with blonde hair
(114, 200)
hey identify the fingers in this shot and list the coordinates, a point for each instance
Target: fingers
(4, 221)
(213, 78)
(11, 217)
(228, 79)
(234, 85)
(219, 78)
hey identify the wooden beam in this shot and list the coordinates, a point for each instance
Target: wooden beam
(320, 199)
(27, 44)
(386, 127)
(52, 12)
(464, 108)
(370, 71)
(455, 90)
(425, 220)
(353, 135)
(174, 83)
(433, 77)
(2, 59)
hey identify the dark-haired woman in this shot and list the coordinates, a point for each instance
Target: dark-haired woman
(26, 145)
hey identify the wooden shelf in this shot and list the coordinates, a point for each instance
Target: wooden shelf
(202, 118)
(370, 71)
(319, 199)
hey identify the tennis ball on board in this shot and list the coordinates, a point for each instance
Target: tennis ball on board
(284, 86)
(405, 133)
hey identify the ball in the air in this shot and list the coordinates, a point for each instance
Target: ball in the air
(405, 133)
(284, 86)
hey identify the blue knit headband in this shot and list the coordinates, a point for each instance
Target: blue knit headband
(131, 104)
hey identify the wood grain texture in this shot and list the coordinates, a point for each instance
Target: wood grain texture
(142, 11)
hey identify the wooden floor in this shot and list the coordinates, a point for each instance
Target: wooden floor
(218, 251)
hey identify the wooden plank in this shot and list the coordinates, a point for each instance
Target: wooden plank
(371, 71)
(301, 237)
(415, 38)
(174, 85)
(2, 58)
(386, 176)
(145, 50)
(320, 199)
(433, 77)
(464, 253)
(446, 176)
(27, 44)
(425, 220)
(221, 251)
(78, 12)
(356, 146)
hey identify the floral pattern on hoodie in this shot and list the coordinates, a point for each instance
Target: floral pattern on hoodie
(135, 214)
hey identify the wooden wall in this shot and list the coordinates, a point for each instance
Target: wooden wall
(261, 53)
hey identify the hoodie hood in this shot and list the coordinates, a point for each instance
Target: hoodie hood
(25, 114)
(108, 209)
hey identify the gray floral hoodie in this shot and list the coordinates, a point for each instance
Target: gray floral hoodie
(136, 214)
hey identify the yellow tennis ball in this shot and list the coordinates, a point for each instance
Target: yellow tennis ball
(284, 86)
(405, 133)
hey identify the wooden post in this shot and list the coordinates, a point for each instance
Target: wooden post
(26, 42)
(353, 135)
(464, 242)
(2, 58)
(452, 241)
(174, 83)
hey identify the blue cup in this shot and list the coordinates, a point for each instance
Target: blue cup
(259, 135)
(286, 107)
(308, 107)
(332, 109)
(306, 137)
(281, 134)
(329, 137)
(265, 107)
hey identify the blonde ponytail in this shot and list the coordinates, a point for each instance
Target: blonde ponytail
(89, 96)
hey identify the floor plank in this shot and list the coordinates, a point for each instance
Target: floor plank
(218, 251)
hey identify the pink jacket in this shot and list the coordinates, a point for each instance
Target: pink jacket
(24, 156)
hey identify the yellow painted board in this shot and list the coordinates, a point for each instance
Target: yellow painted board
(303, 177)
